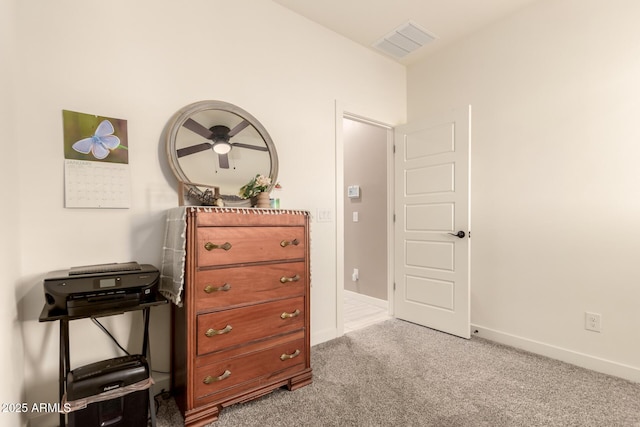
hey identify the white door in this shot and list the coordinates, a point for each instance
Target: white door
(432, 222)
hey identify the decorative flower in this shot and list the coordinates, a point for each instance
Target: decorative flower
(258, 184)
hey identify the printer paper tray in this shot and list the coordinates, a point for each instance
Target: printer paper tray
(89, 306)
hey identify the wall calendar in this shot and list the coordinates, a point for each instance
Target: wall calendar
(96, 168)
(96, 185)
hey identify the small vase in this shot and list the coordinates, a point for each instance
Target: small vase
(263, 200)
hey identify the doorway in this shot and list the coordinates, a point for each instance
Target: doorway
(427, 138)
(366, 218)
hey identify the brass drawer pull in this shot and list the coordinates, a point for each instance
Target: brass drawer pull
(209, 379)
(284, 279)
(209, 289)
(289, 356)
(290, 315)
(212, 332)
(211, 246)
(285, 243)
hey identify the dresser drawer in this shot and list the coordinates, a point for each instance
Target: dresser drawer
(223, 329)
(252, 284)
(236, 245)
(272, 363)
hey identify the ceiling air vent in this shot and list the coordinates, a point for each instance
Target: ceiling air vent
(404, 40)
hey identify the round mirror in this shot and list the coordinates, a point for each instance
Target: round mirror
(217, 144)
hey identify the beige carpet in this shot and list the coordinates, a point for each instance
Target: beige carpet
(399, 374)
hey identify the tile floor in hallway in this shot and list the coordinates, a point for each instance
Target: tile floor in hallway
(359, 314)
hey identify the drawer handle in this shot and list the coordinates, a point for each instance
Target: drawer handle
(289, 356)
(285, 243)
(290, 315)
(209, 379)
(212, 332)
(211, 246)
(209, 289)
(284, 279)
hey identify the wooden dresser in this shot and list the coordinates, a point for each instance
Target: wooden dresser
(243, 329)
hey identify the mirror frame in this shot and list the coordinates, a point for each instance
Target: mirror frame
(181, 116)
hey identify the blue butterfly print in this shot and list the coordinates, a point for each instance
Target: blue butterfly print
(100, 143)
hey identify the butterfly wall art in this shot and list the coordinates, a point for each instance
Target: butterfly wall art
(95, 138)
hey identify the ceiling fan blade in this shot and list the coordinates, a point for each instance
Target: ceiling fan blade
(236, 130)
(223, 159)
(196, 127)
(181, 152)
(251, 147)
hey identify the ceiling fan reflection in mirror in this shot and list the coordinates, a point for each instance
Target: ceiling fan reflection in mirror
(220, 137)
(218, 147)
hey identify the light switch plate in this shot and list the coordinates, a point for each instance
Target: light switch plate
(324, 215)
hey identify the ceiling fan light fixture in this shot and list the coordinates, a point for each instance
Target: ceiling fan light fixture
(221, 146)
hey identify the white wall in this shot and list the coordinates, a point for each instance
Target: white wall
(11, 350)
(555, 178)
(141, 61)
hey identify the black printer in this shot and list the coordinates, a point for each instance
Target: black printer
(82, 291)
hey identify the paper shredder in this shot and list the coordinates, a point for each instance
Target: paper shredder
(113, 392)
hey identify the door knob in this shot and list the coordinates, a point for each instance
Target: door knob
(459, 234)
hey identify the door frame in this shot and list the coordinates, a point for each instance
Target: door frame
(341, 112)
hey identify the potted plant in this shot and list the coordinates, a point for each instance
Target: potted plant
(257, 188)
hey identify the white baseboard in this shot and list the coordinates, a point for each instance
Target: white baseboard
(583, 360)
(377, 302)
(162, 382)
(323, 336)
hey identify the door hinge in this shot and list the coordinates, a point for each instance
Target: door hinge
(394, 217)
(394, 286)
(394, 148)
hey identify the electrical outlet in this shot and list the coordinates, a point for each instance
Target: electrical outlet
(592, 321)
